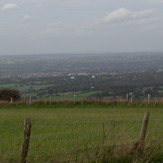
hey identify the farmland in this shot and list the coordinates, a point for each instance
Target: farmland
(109, 76)
(82, 109)
(59, 132)
(103, 86)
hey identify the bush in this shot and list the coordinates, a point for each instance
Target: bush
(6, 94)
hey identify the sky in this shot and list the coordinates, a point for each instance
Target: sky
(80, 26)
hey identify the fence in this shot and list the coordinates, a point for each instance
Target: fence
(90, 145)
(84, 103)
(129, 98)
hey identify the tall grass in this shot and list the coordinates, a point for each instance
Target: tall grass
(74, 134)
(94, 102)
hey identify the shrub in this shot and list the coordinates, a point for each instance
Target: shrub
(6, 94)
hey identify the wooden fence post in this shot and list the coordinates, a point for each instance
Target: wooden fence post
(143, 130)
(127, 96)
(11, 101)
(139, 145)
(26, 139)
(74, 98)
(30, 100)
(50, 99)
(149, 97)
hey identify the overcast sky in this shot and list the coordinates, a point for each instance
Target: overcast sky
(80, 26)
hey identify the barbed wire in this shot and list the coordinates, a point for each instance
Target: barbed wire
(90, 137)
(66, 124)
(156, 121)
(11, 124)
(156, 130)
(66, 138)
(87, 123)
(59, 138)
(74, 124)
(69, 137)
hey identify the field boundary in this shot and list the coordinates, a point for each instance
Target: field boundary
(85, 103)
(134, 147)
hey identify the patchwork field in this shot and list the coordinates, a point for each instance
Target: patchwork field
(66, 134)
(32, 89)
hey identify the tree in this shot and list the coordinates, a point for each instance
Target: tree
(7, 94)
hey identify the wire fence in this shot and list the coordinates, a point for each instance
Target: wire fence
(47, 137)
(20, 123)
(158, 125)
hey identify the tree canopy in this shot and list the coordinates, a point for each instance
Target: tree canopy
(7, 94)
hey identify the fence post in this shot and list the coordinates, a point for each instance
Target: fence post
(127, 96)
(30, 100)
(11, 101)
(50, 99)
(139, 145)
(26, 139)
(144, 129)
(74, 98)
(149, 97)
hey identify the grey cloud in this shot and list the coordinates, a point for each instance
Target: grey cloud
(27, 17)
(123, 15)
(157, 1)
(9, 6)
(54, 27)
(40, 5)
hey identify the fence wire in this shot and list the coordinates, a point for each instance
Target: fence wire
(53, 159)
(77, 124)
(110, 122)
(99, 136)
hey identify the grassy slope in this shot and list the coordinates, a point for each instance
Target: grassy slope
(38, 86)
(55, 131)
(70, 96)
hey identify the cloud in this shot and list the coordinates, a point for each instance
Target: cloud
(54, 27)
(9, 6)
(123, 15)
(27, 17)
(157, 1)
(39, 5)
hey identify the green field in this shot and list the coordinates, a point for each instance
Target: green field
(73, 95)
(32, 89)
(24, 87)
(68, 133)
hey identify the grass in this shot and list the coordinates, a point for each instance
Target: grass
(23, 87)
(11, 85)
(37, 86)
(68, 133)
(74, 95)
(63, 96)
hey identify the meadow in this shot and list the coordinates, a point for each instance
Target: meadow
(75, 132)
(32, 88)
